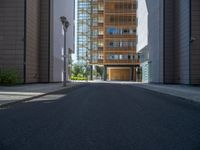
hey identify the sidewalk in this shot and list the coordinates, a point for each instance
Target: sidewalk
(15, 94)
(191, 93)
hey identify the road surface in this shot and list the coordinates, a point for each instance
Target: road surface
(102, 117)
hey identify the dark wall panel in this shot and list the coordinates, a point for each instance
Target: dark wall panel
(195, 45)
(44, 41)
(169, 41)
(12, 35)
(182, 41)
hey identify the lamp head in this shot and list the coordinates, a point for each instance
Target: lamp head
(66, 24)
(63, 19)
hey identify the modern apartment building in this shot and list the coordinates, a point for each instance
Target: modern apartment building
(174, 41)
(31, 38)
(112, 37)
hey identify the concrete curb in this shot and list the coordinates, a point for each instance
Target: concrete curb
(41, 95)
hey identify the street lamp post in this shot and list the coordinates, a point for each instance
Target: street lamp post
(65, 24)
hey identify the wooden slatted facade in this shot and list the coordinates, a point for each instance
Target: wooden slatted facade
(114, 36)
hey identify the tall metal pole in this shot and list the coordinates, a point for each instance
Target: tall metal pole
(65, 24)
(91, 40)
(65, 62)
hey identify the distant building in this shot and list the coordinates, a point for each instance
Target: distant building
(83, 30)
(173, 41)
(107, 37)
(142, 42)
(31, 38)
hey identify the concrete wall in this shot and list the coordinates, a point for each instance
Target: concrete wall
(44, 53)
(182, 57)
(169, 52)
(37, 43)
(177, 42)
(155, 46)
(42, 45)
(32, 40)
(182, 39)
(12, 35)
(174, 51)
(142, 28)
(143, 37)
(61, 8)
(195, 45)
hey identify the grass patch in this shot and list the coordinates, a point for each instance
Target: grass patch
(79, 78)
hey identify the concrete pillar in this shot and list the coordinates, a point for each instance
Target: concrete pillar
(131, 73)
(105, 73)
(134, 73)
(91, 72)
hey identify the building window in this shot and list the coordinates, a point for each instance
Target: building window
(112, 19)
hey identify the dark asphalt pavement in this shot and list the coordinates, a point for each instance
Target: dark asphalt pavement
(102, 117)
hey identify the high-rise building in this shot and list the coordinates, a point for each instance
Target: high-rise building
(173, 44)
(83, 30)
(31, 38)
(111, 37)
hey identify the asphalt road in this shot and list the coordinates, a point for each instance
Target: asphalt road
(101, 117)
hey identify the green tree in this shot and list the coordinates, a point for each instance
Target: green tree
(76, 70)
(79, 70)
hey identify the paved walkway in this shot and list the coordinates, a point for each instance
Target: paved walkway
(13, 94)
(191, 93)
(25, 92)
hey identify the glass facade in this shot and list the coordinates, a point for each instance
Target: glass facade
(107, 31)
(83, 30)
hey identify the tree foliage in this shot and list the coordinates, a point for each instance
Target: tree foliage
(99, 71)
(79, 70)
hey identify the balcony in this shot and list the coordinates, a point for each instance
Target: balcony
(120, 50)
(100, 37)
(121, 62)
(99, 62)
(100, 48)
(100, 24)
(128, 36)
(120, 20)
(100, 12)
(124, 6)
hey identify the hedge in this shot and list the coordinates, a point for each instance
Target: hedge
(9, 77)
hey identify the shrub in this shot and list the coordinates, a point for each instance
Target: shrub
(9, 77)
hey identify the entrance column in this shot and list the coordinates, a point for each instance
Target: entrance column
(105, 73)
(91, 72)
(131, 73)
